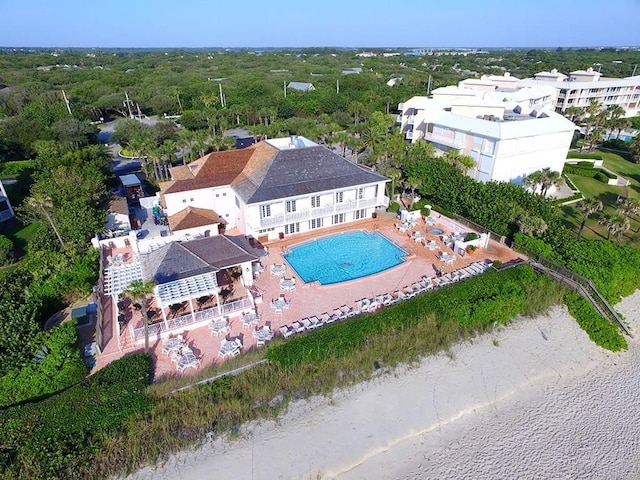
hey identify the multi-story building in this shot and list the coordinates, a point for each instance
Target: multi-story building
(6, 211)
(277, 187)
(510, 133)
(582, 87)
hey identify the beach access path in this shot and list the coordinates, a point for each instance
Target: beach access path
(534, 399)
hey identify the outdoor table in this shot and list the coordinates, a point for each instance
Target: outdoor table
(171, 344)
(279, 303)
(228, 347)
(219, 326)
(277, 270)
(263, 334)
(287, 284)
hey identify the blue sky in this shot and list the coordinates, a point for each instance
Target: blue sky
(345, 23)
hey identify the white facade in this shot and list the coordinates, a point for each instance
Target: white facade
(301, 214)
(316, 198)
(6, 210)
(582, 87)
(508, 134)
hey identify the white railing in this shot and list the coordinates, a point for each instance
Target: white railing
(411, 119)
(345, 207)
(271, 221)
(322, 211)
(189, 321)
(297, 216)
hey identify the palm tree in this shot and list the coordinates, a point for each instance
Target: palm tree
(44, 204)
(459, 161)
(533, 180)
(413, 183)
(549, 178)
(139, 291)
(628, 206)
(615, 224)
(530, 225)
(588, 206)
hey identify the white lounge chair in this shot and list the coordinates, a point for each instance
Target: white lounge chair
(286, 331)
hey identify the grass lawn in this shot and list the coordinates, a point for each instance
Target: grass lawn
(20, 235)
(14, 169)
(607, 194)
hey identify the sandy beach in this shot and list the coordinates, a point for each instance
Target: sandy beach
(535, 399)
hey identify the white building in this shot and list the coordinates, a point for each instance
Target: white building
(580, 88)
(510, 133)
(6, 211)
(277, 187)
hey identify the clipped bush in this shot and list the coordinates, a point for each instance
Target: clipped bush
(590, 156)
(600, 330)
(471, 236)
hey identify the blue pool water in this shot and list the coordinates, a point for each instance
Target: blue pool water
(345, 256)
(624, 138)
(436, 231)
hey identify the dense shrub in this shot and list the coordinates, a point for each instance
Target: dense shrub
(56, 365)
(6, 250)
(473, 305)
(53, 438)
(600, 330)
(616, 144)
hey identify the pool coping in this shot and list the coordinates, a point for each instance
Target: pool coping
(407, 255)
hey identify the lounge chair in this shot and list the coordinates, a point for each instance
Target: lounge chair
(286, 331)
(297, 327)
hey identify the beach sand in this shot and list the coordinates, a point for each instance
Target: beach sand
(534, 399)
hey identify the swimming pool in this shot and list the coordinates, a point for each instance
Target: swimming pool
(344, 256)
(436, 231)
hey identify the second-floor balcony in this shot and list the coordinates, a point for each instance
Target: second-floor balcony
(319, 212)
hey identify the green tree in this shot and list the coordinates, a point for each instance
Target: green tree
(531, 225)
(588, 206)
(139, 292)
(549, 179)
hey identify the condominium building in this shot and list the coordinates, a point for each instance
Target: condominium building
(582, 87)
(509, 132)
(278, 187)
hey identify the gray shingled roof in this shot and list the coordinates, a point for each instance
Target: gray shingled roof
(219, 251)
(302, 171)
(173, 262)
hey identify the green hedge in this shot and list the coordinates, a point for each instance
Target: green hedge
(600, 330)
(475, 305)
(54, 438)
(589, 156)
(590, 172)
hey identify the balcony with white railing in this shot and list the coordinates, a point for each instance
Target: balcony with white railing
(411, 119)
(322, 211)
(297, 216)
(268, 222)
(399, 118)
(190, 321)
(409, 135)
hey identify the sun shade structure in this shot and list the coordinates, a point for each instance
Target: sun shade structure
(118, 278)
(186, 288)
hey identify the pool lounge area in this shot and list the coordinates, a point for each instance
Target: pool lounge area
(309, 300)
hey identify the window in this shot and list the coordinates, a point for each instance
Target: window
(191, 199)
(237, 202)
(338, 218)
(360, 193)
(184, 200)
(358, 214)
(315, 201)
(339, 197)
(292, 228)
(217, 195)
(224, 194)
(4, 205)
(291, 206)
(488, 147)
(265, 211)
(315, 223)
